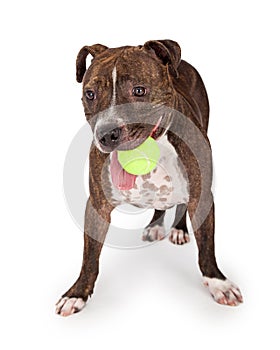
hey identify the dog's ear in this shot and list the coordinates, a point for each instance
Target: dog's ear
(81, 59)
(168, 51)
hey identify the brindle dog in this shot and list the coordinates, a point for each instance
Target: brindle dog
(129, 94)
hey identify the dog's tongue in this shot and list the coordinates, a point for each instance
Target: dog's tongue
(122, 180)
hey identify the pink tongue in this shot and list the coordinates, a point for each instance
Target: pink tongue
(122, 180)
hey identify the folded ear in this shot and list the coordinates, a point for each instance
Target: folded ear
(81, 59)
(168, 51)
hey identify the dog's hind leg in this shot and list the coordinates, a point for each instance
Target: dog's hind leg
(179, 232)
(155, 230)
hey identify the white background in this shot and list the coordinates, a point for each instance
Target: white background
(146, 298)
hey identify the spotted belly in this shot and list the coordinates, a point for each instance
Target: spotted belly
(161, 189)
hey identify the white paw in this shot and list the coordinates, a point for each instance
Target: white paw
(178, 236)
(68, 306)
(154, 233)
(224, 292)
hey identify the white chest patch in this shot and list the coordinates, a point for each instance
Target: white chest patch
(161, 189)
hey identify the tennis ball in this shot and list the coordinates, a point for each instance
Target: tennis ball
(142, 159)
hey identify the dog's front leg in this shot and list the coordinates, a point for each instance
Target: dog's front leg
(198, 166)
(222, 290)
(96, 226)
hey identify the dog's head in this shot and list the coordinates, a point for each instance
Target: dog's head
(125, 90)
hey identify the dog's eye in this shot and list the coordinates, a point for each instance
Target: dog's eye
(139, 91)
(90, 94)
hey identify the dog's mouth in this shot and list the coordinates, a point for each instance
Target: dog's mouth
(121, 179)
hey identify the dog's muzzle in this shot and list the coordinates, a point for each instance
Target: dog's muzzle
(109, 137)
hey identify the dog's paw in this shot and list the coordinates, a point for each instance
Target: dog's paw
(153, 233)
(224, 292)
(68, 306)
(177, 236)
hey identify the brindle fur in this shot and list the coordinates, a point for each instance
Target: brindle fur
(158, 65)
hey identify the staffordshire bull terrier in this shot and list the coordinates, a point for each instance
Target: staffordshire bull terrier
(129, 94)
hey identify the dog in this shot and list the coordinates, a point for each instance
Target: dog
(131, 93)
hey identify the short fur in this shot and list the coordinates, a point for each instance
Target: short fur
(176, 84)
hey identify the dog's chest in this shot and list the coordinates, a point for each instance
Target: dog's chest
(161, 189)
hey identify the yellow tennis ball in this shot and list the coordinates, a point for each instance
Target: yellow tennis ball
(142, 159)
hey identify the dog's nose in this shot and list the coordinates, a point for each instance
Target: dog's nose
(112, 138)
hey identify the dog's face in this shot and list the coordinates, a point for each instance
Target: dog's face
(125, 90)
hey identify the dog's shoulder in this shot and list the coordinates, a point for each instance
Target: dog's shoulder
(191, 90)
